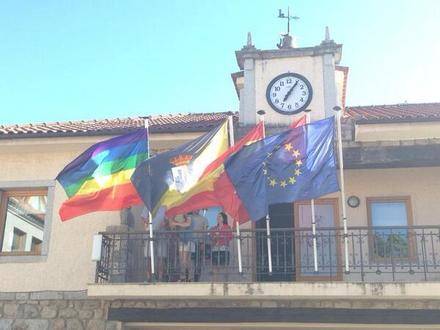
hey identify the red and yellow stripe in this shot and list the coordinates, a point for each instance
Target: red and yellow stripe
(215, 188)
(99, 178)
(109, 199)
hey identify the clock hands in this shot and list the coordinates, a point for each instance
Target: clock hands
(290, 91)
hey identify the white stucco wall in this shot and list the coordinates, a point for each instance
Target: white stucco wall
(310, 67)
(68, 265)
(340, 79)
(397, 131)
(258, 73)
(422, 184)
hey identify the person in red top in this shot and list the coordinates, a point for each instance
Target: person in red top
(221, 236)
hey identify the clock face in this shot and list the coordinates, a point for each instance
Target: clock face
(289, 93)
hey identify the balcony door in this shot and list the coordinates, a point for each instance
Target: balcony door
(328, 241)
(282, 239)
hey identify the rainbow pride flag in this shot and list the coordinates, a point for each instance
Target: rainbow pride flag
(99, 178)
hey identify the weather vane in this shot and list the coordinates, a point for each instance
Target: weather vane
(288, 17)
(286, 41)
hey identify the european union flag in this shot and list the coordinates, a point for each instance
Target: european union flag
(297, 164)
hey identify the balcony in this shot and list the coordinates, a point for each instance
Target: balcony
(376, 254)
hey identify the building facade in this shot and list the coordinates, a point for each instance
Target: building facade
(392, 178)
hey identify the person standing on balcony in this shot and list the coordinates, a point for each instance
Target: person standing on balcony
(160, 226)
(221, 236)
(186, 244)
(199, 226)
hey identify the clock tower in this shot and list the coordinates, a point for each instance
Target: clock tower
(286, 81)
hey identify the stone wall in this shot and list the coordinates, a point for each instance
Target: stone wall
(74, 310)
(149, 303)
(53, 310)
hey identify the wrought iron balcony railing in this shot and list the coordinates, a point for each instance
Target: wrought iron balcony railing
(376, 254)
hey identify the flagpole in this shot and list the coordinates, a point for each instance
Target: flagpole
(312, 206)
(237, 224)
(150, 218)
(261, 114)
(341, 174)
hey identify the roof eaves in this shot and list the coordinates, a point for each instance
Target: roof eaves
(116, 131)
(364, 121)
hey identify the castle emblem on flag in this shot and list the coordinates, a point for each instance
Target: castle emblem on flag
(180, 172)
(181, 160)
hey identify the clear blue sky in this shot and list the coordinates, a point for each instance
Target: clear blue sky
(68, 60)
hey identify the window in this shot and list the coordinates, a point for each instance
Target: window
(36, 245)
(18, 240)
(389, 219)
(22, 221)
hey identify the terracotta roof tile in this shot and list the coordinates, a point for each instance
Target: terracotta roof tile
(193, 122)
(200, 122)
(405, 112)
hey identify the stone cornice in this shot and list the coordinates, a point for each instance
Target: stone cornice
(327, 48)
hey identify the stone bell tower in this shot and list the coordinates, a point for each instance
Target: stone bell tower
(288, 80)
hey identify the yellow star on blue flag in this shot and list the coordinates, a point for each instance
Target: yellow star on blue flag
(297, 164)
